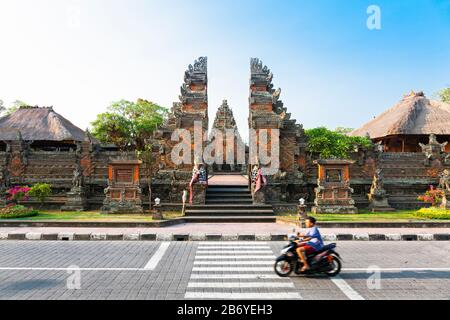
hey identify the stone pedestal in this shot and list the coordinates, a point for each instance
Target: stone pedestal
(123, 194)
(259, 197)
(199, 197)
(301, 213)
(157, 214)
(379, 204)
(446, 201)
(333, 194)
(76, 200)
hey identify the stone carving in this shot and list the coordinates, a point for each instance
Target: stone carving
(333, 192)
(267, 112)
(433, 150)
(123, 194)
(258, 185)
(77, 180)
(444, 181)
(444, 185)
(228, 155)
(76, 197)
(378, 197)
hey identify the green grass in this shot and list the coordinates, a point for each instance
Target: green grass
(431, 214)
(96, 216)
(366, 216)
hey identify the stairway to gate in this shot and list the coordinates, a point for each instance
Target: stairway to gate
(230, 203)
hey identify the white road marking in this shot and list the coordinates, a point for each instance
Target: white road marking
(346, 289)
(268, 257)
(66, 269)
(244, 296)
(233, 258)
(233, 243)
(236, 276)
(398, 269)
(153, 262)
(240, 285)
(229, 263)
(236, 251)
(232, 269)
(234, 247)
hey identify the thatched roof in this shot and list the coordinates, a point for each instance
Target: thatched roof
(39, 124)
(413, 115)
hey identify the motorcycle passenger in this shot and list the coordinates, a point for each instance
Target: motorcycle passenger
(311, 242)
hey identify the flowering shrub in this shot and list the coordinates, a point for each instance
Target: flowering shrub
(433, 196)
(433, 213)
(18, 193)
(16, 211)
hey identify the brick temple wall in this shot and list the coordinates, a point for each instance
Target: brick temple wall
(406, 175)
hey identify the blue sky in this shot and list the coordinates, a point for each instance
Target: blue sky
(79, 55)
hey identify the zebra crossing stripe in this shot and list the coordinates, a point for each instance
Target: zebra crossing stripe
(244, 296)
(228, 263)
(235, 276)
(236, 251)
(232, 269)
(234, 247)
(240, 285)
(234, 243)
(263, 257)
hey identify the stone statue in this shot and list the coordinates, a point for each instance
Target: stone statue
(444, 184)
(444, 181)
(433, 149)
(378, 196)
(377, 189)
(77, 180)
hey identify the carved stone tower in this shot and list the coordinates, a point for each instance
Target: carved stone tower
(233, 147)
(192, 109)
(268, 112)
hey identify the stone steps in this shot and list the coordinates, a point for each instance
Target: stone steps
(230, 203)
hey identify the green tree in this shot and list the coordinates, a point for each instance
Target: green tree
(2, 107)
(343, 130)
(16, 105)
(332, 144)
(129, 124)
(41, 191)
(444, 94)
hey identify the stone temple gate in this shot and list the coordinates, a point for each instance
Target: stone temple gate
(79, 167)
(266, 113)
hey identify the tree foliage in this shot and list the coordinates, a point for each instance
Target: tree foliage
(444, 94)
(128, 124)
(41, 191)
(331, 144)
(16, 105)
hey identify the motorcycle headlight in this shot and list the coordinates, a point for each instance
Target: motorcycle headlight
(285, 250)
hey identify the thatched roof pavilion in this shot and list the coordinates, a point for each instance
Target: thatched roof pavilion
(43, 126)
(408, 123)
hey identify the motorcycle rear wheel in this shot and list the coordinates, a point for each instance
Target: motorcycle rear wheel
(336, 267)
(283, 268)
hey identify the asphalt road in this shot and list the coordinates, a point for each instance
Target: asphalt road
(216, 270)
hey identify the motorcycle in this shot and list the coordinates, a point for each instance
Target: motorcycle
(325, 261)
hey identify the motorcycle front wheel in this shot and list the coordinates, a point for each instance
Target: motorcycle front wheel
(283, 268)
(335, 267)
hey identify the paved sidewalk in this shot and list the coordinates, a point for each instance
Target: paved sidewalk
(229, 228)
(224, 231)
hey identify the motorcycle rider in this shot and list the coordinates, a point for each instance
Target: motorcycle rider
(311, 242)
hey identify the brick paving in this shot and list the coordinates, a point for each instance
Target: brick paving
(117, 271)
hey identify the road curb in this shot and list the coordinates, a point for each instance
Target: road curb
(361, 237)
